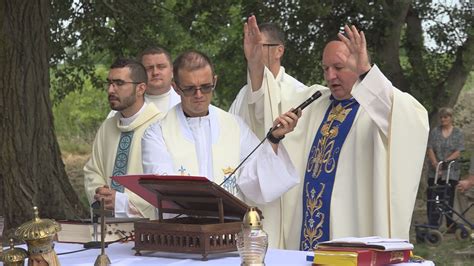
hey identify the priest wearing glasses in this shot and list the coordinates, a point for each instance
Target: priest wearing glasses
(117, 145)
(274, 75)
(196, 138)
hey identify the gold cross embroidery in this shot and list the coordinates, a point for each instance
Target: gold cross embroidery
(228, 170)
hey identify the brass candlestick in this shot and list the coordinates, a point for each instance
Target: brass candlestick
(102, 259)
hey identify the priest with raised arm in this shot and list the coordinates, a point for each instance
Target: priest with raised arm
(359, 149)
(279, 88)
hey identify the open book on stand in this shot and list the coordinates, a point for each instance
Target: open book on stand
(82, 231)
(207, 217)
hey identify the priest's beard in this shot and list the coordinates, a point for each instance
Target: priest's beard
(123, 103)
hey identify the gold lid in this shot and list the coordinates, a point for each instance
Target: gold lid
(13, 254)
(252, 219)
(38, 233)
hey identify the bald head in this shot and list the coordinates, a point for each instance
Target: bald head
(339, 77)
(333, 47)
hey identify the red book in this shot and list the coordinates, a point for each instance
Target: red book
(358, 256)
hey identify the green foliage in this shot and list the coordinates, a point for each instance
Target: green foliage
(462, 110)
(122, 28)
(86, 33)
(79, 115)
(470, 82)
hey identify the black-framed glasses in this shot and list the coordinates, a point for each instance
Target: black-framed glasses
(120, 82)
(191, 90)
(271, 44)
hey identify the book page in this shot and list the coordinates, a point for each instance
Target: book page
(376, 242)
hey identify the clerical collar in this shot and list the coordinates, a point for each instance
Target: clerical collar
(212, 117)
(126, 121)
(188, 116)
(157, 96)
(342, 102)
(280, 75)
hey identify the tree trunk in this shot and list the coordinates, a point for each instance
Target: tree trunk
(447, 94)
(420, 82)
(31, 170)
(389, 49)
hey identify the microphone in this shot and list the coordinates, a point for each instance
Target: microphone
(311, 99)
(303, 105)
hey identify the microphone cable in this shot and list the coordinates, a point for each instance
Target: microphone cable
(303, 105)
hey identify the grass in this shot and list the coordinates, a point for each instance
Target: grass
(446, 252)
(450, 251)
(74, 145)
(74, 163)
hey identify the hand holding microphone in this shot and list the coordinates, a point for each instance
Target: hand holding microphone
(283, 124)
(286, 122)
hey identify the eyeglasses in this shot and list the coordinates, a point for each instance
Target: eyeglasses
(271, 44)
(119, 82)
(191, 90)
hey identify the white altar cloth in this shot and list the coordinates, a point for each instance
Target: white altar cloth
(122, 254)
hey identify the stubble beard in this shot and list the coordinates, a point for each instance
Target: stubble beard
(125, 102)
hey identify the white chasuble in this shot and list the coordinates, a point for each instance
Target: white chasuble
(224, 151)
(277, 94)
(379, 165)
(262, 179)
(100, 166)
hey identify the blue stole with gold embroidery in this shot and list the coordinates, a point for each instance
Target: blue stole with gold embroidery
(121, 158)
(321, 171)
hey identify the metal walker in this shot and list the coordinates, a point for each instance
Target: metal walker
(433, 234)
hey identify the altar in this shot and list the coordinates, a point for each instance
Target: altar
(121, 254)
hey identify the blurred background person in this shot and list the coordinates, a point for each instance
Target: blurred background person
(159, 69)
(465, 194)
(445, 143)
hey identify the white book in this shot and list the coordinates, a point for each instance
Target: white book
(375, 242)
(82, 231)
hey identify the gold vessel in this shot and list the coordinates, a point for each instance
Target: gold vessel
(13, 256)
(38, 235)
